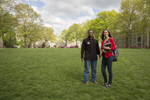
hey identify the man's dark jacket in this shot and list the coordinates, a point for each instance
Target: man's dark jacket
(91, 49)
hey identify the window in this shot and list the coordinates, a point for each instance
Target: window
(139, 44)
(134, 43)
(139, 39)
(134, 39)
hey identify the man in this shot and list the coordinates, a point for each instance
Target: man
(91, 48)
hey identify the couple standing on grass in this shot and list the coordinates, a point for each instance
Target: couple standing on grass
(91, 48)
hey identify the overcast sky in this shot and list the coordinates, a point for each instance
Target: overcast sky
(60, 14)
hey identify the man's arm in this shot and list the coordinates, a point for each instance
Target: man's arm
(98, 50)
(82, 50)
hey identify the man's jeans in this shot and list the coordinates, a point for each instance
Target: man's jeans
(87, 65)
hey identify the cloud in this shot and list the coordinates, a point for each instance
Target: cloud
(60, 14)
(35, 9)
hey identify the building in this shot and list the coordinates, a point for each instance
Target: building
(62, 43)
(134, 40)
(38, 44)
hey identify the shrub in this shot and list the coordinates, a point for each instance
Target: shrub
(72, 46)
(147, 47)
(62, 47)
(135, 47)
(132, 47)
(138, 47)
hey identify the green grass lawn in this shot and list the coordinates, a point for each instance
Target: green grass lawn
(57, 74)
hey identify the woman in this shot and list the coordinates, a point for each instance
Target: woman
(107, 56)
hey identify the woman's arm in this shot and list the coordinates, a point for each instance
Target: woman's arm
(113, 45)
(102, 46)
(102, 49)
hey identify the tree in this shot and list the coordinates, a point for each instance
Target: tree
(143, 24)
(7, 20)
(30, 22)
(106, 19)
(48, 35)
(127, 17)
(64, 36)
(84, 27)
(9, 41)
(37, 35)
(75, 32)
(96, 26)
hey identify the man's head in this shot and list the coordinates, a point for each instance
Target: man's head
(90, 33)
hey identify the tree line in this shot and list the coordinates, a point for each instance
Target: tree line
(20, 20)
(133, 17)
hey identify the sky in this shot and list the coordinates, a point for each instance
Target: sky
(60, 14)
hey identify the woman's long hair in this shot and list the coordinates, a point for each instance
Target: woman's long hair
(103, 34)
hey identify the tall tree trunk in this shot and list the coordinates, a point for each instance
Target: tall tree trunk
(97, 37)
(30, 43)
(2, 39)
(34, 44)
(126, 41)
(76, 42)
(15, 40)
(147, 37)
(3, 43)
(25, 42)
(10, 43)
(66, 42)
(45, 43)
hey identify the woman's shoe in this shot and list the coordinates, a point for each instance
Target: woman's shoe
(108, 85)
(103, 84)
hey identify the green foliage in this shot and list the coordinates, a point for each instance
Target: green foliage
(9, 41)
(21, 43)
(133, 17)
(43, 45)
(74, 33)
(65, 36)
(30, 23)
(105, 19)
(48, 35)
(26, 23)
(8, 22)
